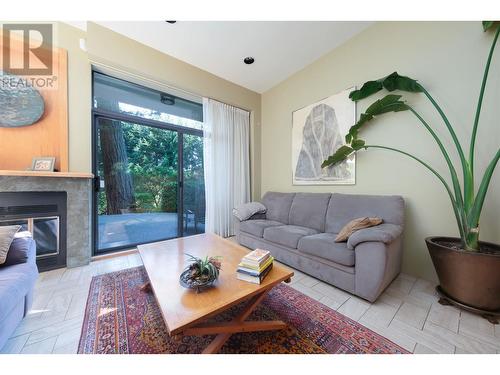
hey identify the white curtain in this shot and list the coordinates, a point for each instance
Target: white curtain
(226, 162)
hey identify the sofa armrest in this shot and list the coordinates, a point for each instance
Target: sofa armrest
(385, 233)
(377, 264)
(22, 250)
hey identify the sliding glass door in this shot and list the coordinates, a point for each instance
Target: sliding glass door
(138, 184)
(193, 200)
(149, 182)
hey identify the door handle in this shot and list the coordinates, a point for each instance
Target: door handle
(97, 184)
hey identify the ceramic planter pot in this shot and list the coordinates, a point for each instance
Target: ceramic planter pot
(197, 285)
(472, 280)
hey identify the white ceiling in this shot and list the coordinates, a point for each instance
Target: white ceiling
(280, 48)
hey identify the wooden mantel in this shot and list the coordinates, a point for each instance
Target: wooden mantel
(45, 174)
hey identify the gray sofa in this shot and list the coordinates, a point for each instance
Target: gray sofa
(299, 229)
(17, 280)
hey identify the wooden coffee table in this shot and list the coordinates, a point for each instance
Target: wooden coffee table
(185, 311)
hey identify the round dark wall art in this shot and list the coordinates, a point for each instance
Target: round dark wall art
(21, 104)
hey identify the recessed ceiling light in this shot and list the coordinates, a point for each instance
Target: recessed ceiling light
(171, 21)
(248, 60)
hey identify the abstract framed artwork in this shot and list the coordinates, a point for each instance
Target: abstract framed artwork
(318, 130)
(22, 104)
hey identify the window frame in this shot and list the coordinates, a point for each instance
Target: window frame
(119, 116)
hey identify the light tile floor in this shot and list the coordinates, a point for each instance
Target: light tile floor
(407, 313)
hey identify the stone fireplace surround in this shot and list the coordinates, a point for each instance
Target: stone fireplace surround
(78, 187)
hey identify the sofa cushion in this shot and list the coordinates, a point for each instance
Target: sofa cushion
(246, 210)
(345, 207)
(15, 283)
(309, 210)
(355, 225)
(278, 205)
(287, 235)
(256, 227)
(323, 245)
(7, 234)
(19, 251)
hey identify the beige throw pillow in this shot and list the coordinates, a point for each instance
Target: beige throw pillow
(356, 224)
(7, 234)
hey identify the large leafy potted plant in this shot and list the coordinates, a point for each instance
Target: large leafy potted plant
(468, 269)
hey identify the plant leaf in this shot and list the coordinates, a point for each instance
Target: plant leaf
(389, 103)
(357, 144)
(488, 24)
(353, 131)
(391, 82)
(475, 213)
(396, 82)
(340, 155)
(369, 88)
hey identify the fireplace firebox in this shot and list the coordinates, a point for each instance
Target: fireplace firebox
(44, 215)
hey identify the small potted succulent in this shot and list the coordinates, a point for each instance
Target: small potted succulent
(200, 273)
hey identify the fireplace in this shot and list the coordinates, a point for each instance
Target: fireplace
(73, 210)
(44, 214)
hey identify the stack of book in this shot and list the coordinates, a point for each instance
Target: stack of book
(255, 266)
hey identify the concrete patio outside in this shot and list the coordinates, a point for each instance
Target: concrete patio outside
(135, 228)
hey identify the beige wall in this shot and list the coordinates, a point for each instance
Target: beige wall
(107, 47)
(447, 58)
(79, 98)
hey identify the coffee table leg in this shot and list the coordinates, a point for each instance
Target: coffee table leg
(146, 287)
(236, 325)
(217, 343)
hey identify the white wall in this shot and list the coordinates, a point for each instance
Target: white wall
(448, 59)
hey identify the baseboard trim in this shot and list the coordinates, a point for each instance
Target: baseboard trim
(113, 255)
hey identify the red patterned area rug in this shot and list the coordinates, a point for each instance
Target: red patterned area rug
(121, 318)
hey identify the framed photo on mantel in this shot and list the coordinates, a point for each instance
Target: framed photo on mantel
(318, 130)
(43, 164)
